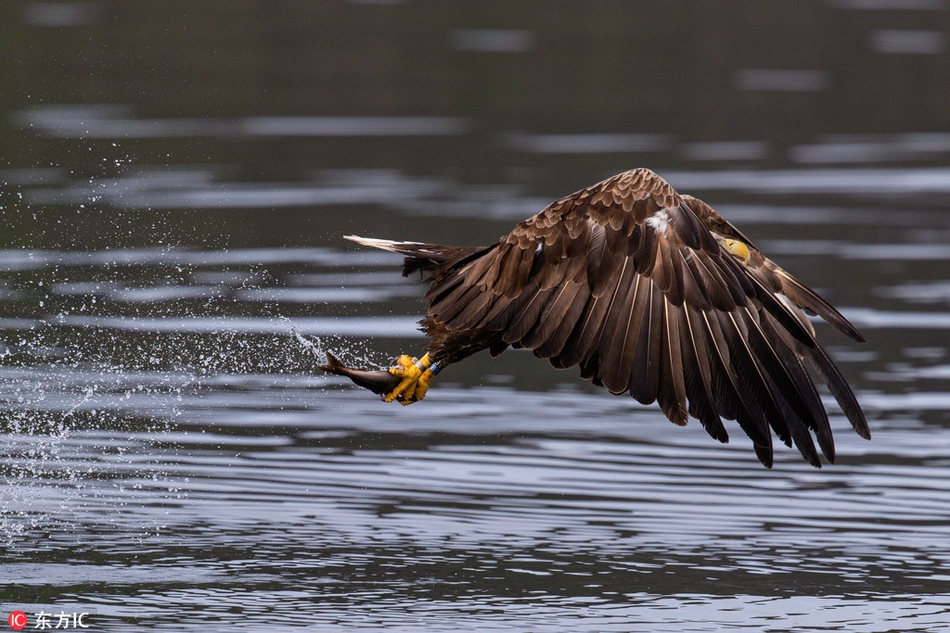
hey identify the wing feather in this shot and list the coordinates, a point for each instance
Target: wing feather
(581, 344)
(616, 372)
(806, 388)
(743, 404)
(839, 389)
(525, 320)
(555, 312)
(697, 375)
(771, 378)
(805, 297)
(598, 268)
(672, 386)
(645, 373)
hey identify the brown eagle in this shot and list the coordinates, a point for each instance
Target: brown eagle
(650, 292)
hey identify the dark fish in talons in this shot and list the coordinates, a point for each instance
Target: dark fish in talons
(378, 381)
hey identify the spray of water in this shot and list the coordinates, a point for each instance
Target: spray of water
(118, 325)
(97, 373)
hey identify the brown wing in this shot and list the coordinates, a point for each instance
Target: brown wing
(628, 281)
(771, 275)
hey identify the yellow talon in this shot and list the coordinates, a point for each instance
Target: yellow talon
(415, 379)
(423, 385)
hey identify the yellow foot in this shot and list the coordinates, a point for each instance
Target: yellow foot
(416, 376)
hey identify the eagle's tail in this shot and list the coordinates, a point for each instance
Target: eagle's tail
(419, 256)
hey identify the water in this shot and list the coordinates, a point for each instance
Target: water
(175, 187)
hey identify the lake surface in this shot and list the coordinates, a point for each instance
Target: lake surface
(174, 186)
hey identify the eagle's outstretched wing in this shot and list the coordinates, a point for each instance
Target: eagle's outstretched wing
(655, 294)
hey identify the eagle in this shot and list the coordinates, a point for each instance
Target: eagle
(649, 292)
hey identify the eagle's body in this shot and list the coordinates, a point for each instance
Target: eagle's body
(649, 292)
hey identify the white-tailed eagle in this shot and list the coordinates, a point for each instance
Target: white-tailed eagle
(649, 292)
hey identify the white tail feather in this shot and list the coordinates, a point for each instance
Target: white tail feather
(386, 245)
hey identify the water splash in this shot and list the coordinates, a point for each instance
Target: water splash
(103, 354)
